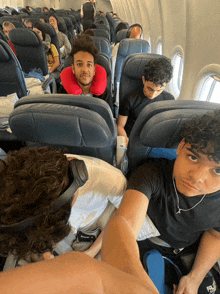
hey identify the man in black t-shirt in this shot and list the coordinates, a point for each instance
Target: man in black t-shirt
(182, 199)
(157, 73)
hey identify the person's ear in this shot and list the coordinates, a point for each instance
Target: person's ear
(180, 146)
(73, 69)
(143, 79)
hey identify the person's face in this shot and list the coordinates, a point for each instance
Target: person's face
(29, 25)
(6, 30)
(151, 90)
(84, 68)
(39, 33)
(53, 22)
(194, 173)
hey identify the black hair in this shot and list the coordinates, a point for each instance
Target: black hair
(203, 134)
(158, 71)
(84, 43)
(120, 26)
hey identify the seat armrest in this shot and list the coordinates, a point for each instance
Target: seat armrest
(50, 81)
(120, 151)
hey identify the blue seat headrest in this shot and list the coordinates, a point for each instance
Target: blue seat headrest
(4, 56)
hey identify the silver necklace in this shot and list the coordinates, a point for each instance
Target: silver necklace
(178, 201)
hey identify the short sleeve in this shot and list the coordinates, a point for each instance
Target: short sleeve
(146, 179)
(54, 50)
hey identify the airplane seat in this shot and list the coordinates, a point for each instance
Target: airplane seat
(101, 33)
(79, 124)
(103, 27)
(31, 54)
(103, 45)
(62, 26)
(16, 23)
(156, 132)
(102, 59)
(53, 35)
(120, 36)
(11, 75)
(70, 28)
(2, 36)
(126, 48)
(74, 22)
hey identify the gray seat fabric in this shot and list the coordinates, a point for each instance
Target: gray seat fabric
(53, 35)
(29, 49)
(80, 124)
(11, 76)
(120, 36)
(103, 45)
(70, 29)
(159, 126)
(132, 72)
(103, 27)
(101, 33)
(126, 48)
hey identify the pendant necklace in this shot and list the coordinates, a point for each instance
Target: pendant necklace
(178, 202)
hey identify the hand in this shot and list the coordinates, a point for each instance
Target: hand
(186, 286)
(89, 253)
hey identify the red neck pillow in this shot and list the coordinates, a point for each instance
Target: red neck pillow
(70, 84)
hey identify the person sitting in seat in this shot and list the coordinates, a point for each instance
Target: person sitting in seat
(53, 60)
(134, 32)
(182, 198)
(45, 9)
(64, 43)
(157, 73)
(85, 77)
(42, 175)
(28, 23)
(7, 27)
(120, 270)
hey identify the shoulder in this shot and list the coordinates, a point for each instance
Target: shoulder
(167, 96)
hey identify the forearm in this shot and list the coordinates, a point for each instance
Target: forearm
(96, 246)
(122, 132)
(120, 250)
(54, 67)
(207, 255)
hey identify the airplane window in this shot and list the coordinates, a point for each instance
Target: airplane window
(210, 90)
(159, 47)
(177, 72)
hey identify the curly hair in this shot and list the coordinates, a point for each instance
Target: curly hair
(158, 71)
(203, 133)
(84, 43)
(31, 179)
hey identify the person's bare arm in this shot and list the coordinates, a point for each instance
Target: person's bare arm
(121, 122)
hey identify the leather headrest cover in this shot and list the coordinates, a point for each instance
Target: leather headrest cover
(70, 84)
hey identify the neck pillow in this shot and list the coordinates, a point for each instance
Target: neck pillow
(70, 83)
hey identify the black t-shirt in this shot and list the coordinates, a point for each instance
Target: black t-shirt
(133, 103)
(154, 179)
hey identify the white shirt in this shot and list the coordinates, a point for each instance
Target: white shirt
(105, 183)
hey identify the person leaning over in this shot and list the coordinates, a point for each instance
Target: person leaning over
(157, 73)
(84, 76)
(182, 199)
(42, 175)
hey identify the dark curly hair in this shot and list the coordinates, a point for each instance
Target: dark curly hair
(30, 180)
(84, 43)
(158, 71)
(203, 133)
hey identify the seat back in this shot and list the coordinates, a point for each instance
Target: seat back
(126, 48)
(156, 132)
(53, 35)
(11, 76)
(80, 124)
(70, 28)
(103, 45)
(133, 71)
(120, 36)
(103, 27)
(29, 49)
(102, 33)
